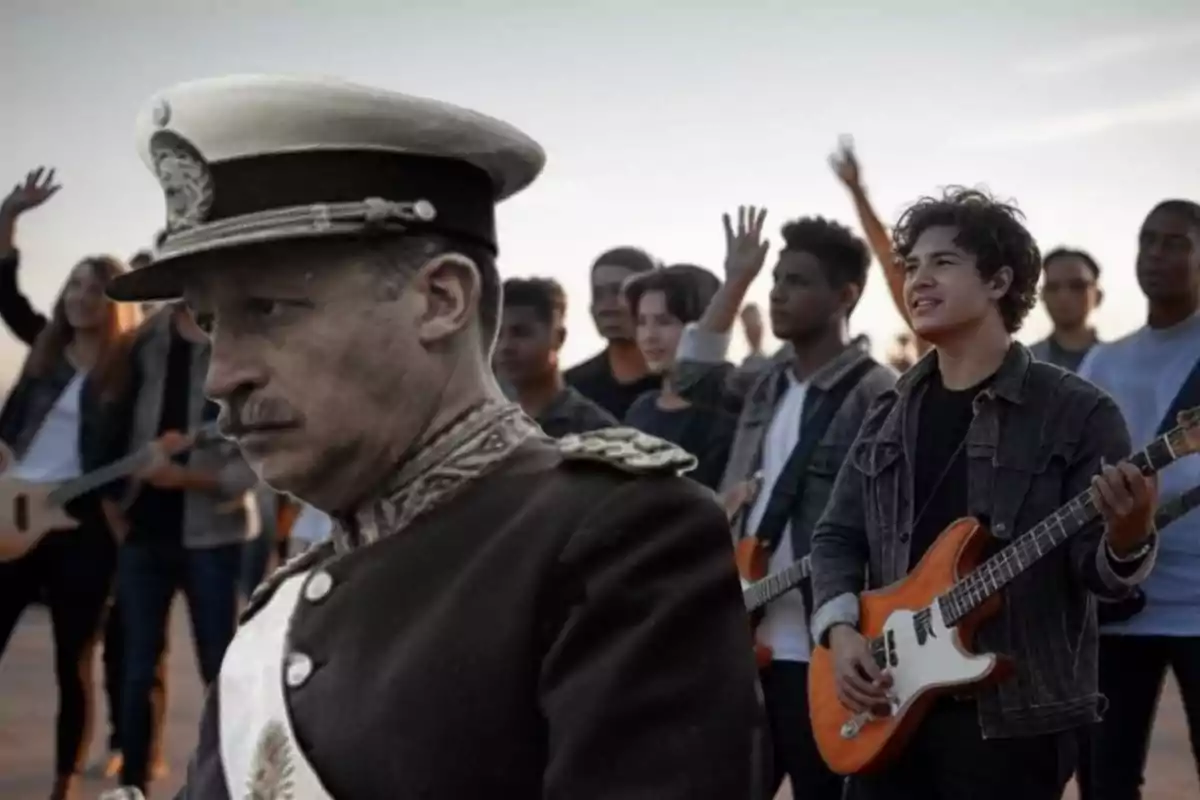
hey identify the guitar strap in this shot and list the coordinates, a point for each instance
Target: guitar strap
(789, 487)
(1187, 397)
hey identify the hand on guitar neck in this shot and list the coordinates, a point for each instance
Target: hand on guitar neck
(1127, 499)
(160, 471)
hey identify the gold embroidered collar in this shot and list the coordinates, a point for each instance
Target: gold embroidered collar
(463, 453)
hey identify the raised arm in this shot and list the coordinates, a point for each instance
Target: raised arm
(845, 166)
(17, 313)
(702, 373)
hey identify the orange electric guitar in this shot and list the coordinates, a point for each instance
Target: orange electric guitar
(920, 629)
(759, 588)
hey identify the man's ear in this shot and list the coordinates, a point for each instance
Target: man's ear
(1000, 282)
(560, 337)
(851, 293)
(451, 286)
(1099, 297)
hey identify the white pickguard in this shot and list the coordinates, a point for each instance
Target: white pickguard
(937, 662)
(917, 667)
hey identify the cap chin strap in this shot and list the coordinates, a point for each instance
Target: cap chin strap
(320, 219)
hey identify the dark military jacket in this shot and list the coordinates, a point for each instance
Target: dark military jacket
(525, 619)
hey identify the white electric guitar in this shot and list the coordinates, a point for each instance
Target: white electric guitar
(28, 511)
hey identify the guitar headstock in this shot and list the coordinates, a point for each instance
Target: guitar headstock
(1185, 437)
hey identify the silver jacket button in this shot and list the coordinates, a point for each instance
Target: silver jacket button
(318, 586)
(297, 669)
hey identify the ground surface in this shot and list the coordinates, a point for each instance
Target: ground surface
(27, 707)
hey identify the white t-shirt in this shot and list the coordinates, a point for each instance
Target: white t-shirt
(785, 624)
(53, 455)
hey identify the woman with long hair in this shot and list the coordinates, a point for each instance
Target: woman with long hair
(51, 423)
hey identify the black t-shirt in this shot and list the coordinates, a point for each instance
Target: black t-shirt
(157, 514)
(594, 380)
(942, 424)
(706, 433)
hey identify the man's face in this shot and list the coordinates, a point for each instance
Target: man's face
(802, 299)
(527, 351)
(1168, 260)
(610, 312)
(753, 325)
(1069, 291)
(943, 290)
(321, 377)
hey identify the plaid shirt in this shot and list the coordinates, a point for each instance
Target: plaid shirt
(1038, 436)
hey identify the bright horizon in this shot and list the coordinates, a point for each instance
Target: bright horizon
(656, 119)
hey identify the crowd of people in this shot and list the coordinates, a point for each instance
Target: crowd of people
(102, 380)
(816, 450)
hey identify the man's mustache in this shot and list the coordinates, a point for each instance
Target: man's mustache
(239, 417)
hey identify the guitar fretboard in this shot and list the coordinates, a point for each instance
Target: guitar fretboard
(80, 486)
(773, 586)
(998, 571)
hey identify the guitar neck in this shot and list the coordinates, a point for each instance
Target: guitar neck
(998, 571)
(121, 468)
(777, 585)
(1176, 507)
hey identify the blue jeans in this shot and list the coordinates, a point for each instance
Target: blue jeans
(148, 575)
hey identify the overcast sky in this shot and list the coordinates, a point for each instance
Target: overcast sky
(656, 117)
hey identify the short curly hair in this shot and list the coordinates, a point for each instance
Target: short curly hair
(992, 231)
(843, 257)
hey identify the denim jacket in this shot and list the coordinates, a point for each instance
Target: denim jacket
(704, 377)
(1038, 436)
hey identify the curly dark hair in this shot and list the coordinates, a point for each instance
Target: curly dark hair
(843, 257)
(992, 231)
(545, 296)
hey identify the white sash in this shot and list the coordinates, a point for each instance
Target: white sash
(259, 752)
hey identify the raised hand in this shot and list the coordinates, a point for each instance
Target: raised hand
(844, 163)
(745, 250)
(39, 186)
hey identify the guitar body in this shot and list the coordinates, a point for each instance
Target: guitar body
(927, 660)
(753, 562)
(26, 512)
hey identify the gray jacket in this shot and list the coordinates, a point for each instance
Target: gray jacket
(228, 516)
(704, 377)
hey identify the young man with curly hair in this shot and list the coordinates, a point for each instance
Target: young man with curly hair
(980, 428)
(797, 418)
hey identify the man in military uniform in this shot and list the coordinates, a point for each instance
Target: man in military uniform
(496, 614)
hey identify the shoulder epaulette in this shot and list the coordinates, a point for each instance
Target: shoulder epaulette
(296, 564)
(628, 450)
